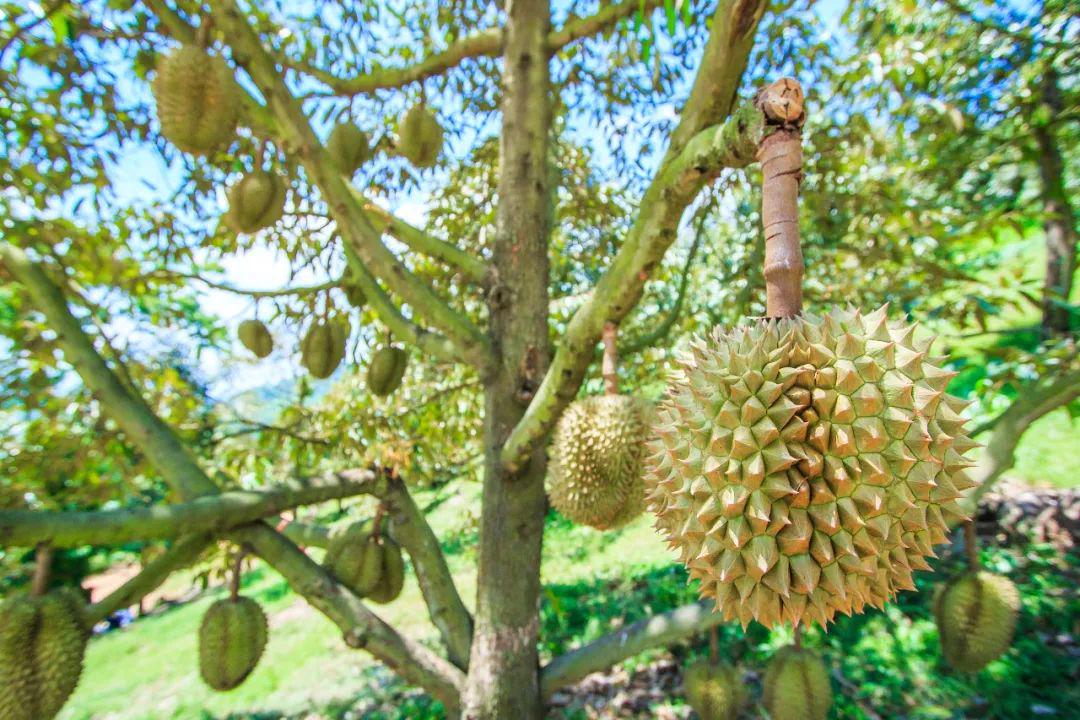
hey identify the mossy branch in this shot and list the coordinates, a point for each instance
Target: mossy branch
(209, 514)
(471, 267)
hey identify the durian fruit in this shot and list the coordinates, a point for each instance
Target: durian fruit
(256, 202)
(348, 148)
(976, 617)
(42, 643)
(805, 466)
(198, 100)
(595, 474)
(386, 369)
(232, 637)
(420, 136)
(796, 686)
(716, 692)
(392, 579)
(323, 347)
(355, 558)
(255, 337)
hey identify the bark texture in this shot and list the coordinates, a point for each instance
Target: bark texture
(503, 680)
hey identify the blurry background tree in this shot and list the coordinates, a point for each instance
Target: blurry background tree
(940, 177)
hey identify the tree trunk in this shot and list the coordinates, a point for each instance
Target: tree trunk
(1059, 226)
(503, 679)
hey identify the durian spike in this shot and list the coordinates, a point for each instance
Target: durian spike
(780, 154)
(610, 365)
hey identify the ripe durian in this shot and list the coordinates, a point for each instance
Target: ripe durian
(256, 202)
(232, 637)
(805, 466)
(796, 686)
(198, 101)
(716, 692)
(420, 136)
(348, 147)
(256, 337)
(323, 347)
(355, 558)
(386, 369)
(42, 643)
(595, 474)
(976, 618)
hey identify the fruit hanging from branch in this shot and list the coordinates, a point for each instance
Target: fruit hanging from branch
(255, 336)
(386, 370)
(420, 136)
(232, 636)
(348, 147)
(256, 201)
(796, 686)
(323, 347)
(198, 101)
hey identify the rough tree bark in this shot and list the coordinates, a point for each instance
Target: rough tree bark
(503, 680)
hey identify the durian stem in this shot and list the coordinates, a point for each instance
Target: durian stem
(714, 646)
(376, 524)
(798, 636)
(780, 154)
(237, 572)
(43, 556)
(610, 365)
(971, 545)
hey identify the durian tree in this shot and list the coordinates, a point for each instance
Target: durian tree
(302, 130)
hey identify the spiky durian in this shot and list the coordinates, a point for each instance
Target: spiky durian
(323, 347)
(255, 337)
(976, 618)
(355, 558)
(595, 474)
(348, 147)
(716, 692)
(198, 101)
(386, 369)
(232, 637)
(256, 202)
(42, 643)
(806, 466)
(392, 578)
(796, 686)
(420, 136)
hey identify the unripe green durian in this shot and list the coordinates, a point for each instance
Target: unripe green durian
(716, 692)
(976, 617)
(255, 337)
(198, 101)
(392, 578)
(420, 136)
(806, 466)
(355, 558)
(595, 474)
(232, 638)
(42, 644)
(323, 347)
(796, 686)
(348, 148)
(256, 202)
(386, 369)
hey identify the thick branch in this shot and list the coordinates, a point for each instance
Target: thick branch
(142, 427)
(679, 180)
(657, 631)
(361, 628)
(577, 28)
(209, 514)
(416, 239)
(352, 222)
(184, 552)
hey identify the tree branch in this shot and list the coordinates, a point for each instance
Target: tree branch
(209, 514)
(730, 145)
(474, 269)
(352, 223)
(226, 287)
(657, 631)
(361, 628)
(130, 411)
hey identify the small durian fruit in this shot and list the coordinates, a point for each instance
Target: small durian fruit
(355, 558)
(348, 148)
(255, 337)
(976, 617)
(796, 686)
(232, 637)
(806, 466)
(392, 578)
(323, 347)
(716, 692)
(386, 369)
(198, 100)
(256, 202)
(42, 644)
(420, 136)
(595, 475)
